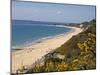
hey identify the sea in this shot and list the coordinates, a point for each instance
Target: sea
(28, 32)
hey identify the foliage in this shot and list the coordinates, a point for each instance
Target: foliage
(37, 68)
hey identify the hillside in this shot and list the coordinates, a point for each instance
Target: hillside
(79, 53)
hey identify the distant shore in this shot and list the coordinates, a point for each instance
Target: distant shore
(30, 54)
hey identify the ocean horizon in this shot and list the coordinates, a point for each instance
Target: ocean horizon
(24, 33)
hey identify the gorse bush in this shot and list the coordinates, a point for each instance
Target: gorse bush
(49, 66)
(37, 68)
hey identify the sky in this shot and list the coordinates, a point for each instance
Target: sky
(51, 12)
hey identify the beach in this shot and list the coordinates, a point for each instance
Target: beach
(31, 53)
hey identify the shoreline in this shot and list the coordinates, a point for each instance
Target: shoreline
(30, 54)
(28, 43)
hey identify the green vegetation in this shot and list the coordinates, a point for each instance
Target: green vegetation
(79, 52)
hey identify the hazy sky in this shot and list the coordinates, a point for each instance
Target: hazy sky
(52, 12)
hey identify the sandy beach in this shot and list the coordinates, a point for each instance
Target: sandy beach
(30, 54)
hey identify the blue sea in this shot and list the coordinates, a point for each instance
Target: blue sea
(24, 33)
